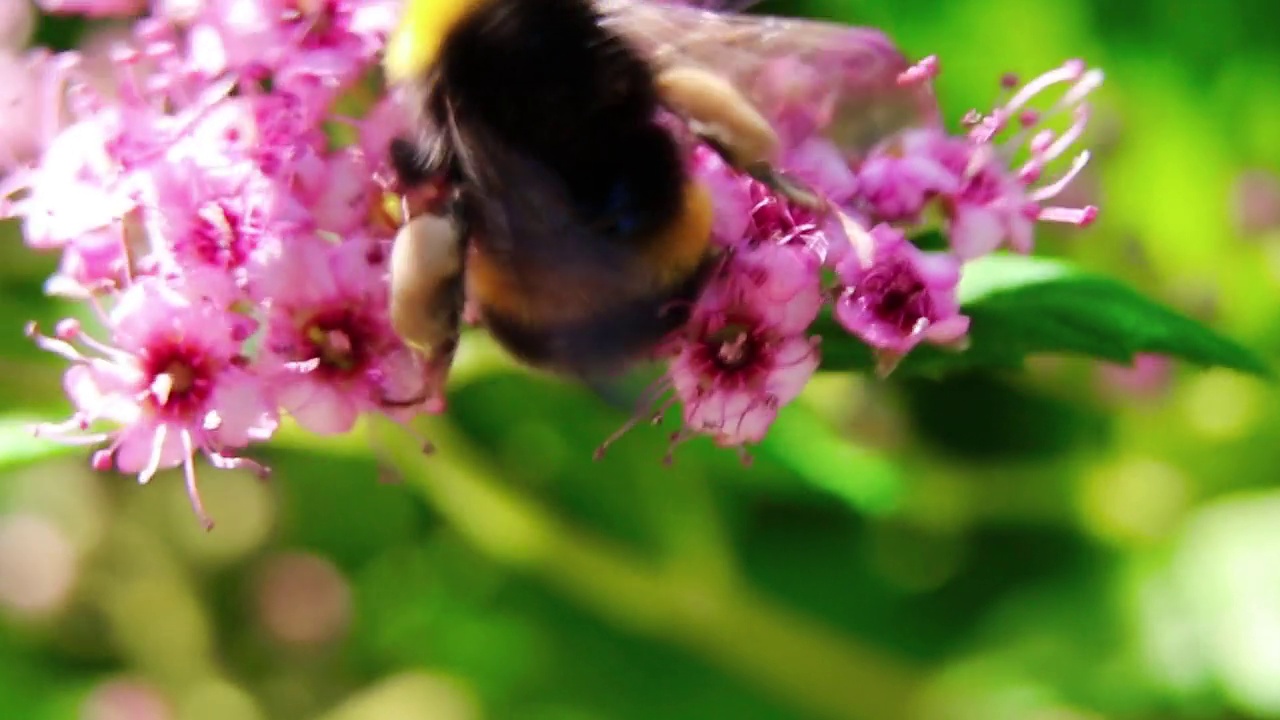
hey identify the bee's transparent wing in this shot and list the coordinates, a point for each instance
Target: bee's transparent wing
(720, 6)
(805, 76)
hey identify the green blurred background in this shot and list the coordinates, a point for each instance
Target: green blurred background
(1071, 543)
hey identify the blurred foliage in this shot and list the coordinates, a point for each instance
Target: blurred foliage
(1067, 541)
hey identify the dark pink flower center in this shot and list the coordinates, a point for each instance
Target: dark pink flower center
(219, 236)
(735, 354)
(896, 295)
(342, 340)
(180, 378)
(983, 188)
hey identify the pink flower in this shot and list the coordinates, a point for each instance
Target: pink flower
(172, 383)
(386, 120)
(344, 199)
(744, 352)
(986, 202)
(212, 213)
(96, 261)
(26, 86)
(310, 46)
(748, 214)
(991, 209)
(736, 368)
(1147, 377)
(904, 172)
(730, 193)
(92, 8)
(780, 282)
(1255, 202)
(822, 167)
(895, 296)
(330, 351)
(775, 220)
(220, 228)
(998, 204)
(280, 133)
(98, 63)
(75, 191)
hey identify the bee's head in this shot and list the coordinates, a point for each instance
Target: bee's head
(423, 26)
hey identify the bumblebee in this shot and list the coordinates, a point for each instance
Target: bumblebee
(551, 194)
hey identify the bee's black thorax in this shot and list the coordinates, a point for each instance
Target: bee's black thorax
(544, 78)
(589, 241)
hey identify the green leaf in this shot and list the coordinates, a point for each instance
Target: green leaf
(1020, 421)
(1022, 306)
(19, 446)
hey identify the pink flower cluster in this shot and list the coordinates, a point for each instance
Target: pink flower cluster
(231, 247)
(217, 191)
(747, 350)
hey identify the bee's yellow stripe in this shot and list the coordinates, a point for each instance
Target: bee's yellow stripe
(416, 41)
(535, 297)
(679, 249)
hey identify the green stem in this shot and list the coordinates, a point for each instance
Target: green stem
(797, 660)
(683, 508)
(695, 540)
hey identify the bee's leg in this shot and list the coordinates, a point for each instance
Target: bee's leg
(424, 175)
(731, 124)
(426, 299)
(721, 113)
(412, 163)
(471, 314)
(786, 186)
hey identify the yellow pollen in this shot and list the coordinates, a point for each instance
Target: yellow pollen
(333, 346)
(387, 214)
